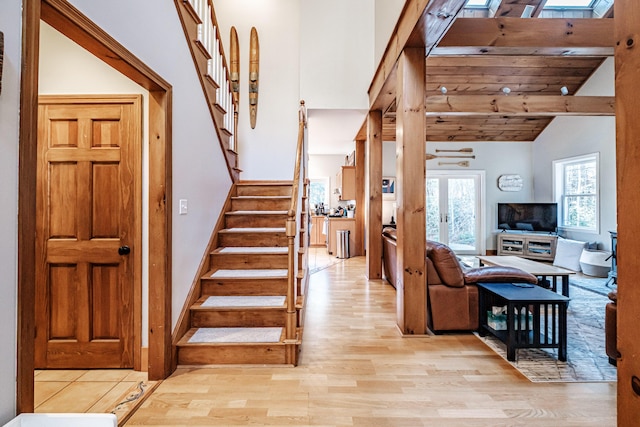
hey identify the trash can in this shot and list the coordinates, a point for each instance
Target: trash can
(342, 243)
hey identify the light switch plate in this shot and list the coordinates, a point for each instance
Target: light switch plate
(184, 207)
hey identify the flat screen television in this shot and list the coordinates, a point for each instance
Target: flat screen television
(528, 217)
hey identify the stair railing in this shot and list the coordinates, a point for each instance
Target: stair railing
(216, 73)
(295, 220)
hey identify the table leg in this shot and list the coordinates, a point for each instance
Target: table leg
(565, 285)
(511, 334)
(482, 313)
(562, 338)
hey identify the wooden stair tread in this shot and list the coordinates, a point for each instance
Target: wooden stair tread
(254, 196)
(254, 230)
(256, 212)
(252, 250)
(235, 336)
(240, 302)
(247, 274)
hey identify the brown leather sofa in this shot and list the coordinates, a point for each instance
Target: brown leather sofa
(452, 296)
(611, 328)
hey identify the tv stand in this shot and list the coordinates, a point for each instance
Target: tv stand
(528, 245)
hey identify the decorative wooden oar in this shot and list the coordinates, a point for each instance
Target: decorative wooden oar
(234, 74)
(433, 156)
(254, 71)
(462, 150)
(464, 163)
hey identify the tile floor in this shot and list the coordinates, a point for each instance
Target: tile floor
(95, 391)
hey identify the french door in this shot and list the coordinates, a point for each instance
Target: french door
(455, 210)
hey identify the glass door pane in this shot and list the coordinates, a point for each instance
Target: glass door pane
(433, 209)
(461, 214)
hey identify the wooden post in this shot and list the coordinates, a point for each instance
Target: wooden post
(411, 285)
(627, 58)
(374, 208)
(27, 206)
(360, 198)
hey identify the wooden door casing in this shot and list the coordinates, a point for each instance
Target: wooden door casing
(88, 206)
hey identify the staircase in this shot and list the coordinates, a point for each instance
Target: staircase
(242, 312)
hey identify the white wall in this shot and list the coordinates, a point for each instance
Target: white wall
(574, 136)
(336, 53)
(495, 158)
(199, 170)
(68, 69)
(387, 14)
(268, 151)
(10, 25)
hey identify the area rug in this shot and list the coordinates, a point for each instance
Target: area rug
(586, 357)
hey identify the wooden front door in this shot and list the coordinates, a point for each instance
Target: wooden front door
(88, 230)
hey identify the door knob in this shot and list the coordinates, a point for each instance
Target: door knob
(124, 250)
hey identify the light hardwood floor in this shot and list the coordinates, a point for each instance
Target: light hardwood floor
(356, 370)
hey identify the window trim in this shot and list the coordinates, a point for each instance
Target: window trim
(558, 172)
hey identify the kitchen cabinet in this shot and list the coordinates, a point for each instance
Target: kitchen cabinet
(346, 182)
(317, 236)
(341, 223)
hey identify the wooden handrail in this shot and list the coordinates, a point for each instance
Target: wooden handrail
(302, 123)
(294, 218)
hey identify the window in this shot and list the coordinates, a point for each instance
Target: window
(478, 3)
(576, 191)
(318, 192)
(561, 4)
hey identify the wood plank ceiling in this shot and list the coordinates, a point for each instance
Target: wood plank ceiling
(531, 57)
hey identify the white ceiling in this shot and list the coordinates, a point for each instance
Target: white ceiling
(333, 131)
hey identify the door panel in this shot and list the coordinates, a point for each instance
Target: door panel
(461, 213)
(88, 206)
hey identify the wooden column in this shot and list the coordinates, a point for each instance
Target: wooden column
(374, 195)
(410, 192)
(627, 57)
(360, 198)
(27, 206)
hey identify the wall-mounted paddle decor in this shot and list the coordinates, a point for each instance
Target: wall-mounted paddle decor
(1, 57)
(254, 71)
(234, 56)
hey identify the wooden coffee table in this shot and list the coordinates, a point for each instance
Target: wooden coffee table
(538, 269)
(535, 317)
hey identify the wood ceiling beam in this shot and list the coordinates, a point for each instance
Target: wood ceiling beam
(586, 52)
(527, 105)
(536, 33)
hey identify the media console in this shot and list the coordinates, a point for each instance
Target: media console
(528, 245)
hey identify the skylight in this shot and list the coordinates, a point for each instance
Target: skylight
(478, 3)
(569, 3)
(558, 4)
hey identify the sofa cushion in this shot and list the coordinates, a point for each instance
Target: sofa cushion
(446, 264)
(498, 274)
